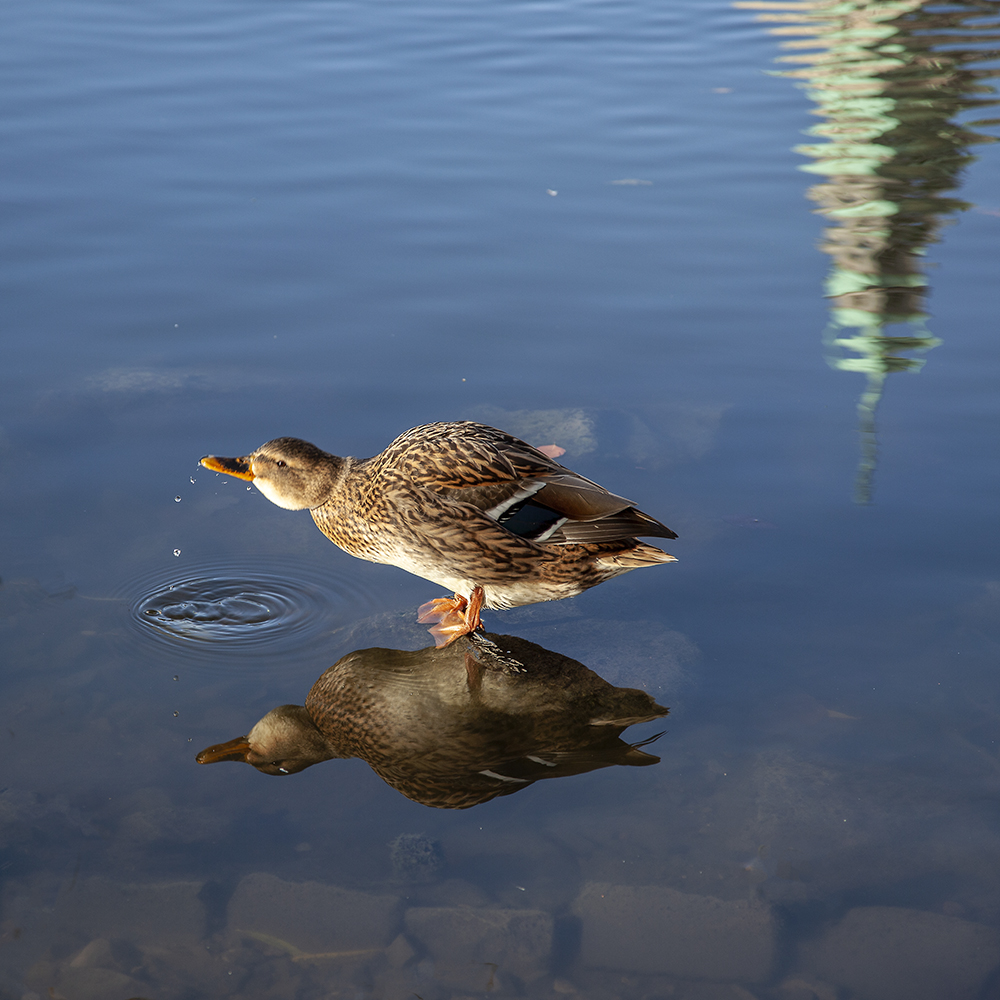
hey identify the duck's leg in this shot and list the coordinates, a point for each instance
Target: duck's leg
(476, 599)
(454, 616)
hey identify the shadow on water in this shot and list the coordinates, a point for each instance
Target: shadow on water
(453, 727)
(891, 78)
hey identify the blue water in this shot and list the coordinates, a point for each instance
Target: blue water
(582, 222)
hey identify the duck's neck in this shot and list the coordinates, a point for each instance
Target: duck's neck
(340, 469)
(336, 472)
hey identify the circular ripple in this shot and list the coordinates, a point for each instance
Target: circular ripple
(220, 609)
(214, 611)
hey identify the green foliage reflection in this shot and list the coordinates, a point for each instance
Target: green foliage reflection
(893, 81)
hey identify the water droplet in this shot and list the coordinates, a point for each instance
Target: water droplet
(193, 480)
(177, 499)
(176, 714)
(177, 677)
(177, 552)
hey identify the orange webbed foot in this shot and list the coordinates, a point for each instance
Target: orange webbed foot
(440, 608)
(454, 616)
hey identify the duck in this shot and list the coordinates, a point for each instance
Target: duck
(464, 505)
(453, 727)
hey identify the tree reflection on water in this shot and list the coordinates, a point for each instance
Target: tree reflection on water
(891, 78)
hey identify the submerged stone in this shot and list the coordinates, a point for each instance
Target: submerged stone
(97, 954)
(312, 918)
(894, 953)
(415, 857)
(653, 930)
(95, 984)
(162, 913)
(47, 979)
(472, 947)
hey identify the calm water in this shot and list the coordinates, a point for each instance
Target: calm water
(583, 222)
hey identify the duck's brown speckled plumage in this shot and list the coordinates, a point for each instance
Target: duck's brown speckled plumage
(429, 504)
(453, 727)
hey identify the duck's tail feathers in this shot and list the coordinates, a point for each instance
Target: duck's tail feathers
(630, 523)
(637, 556)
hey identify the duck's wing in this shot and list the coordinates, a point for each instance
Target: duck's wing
(561, 509)
(463, 454)
(513, 483)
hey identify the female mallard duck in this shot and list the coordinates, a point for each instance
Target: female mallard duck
(466, 506)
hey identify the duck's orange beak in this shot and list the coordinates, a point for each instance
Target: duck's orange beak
(238, 467)
(233, 750)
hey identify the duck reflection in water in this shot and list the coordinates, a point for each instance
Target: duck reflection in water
(453, 727)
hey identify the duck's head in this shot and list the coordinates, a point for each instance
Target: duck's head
(291, 473)
(286, 740)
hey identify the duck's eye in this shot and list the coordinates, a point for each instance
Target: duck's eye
(280, 464)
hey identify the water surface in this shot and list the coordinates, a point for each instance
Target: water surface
(583, 222)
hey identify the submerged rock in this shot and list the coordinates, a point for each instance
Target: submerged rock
(415, 857)
(312, 918)
(894, 953)
(167, 913)
(474, 948)
(94, 984)
(652, 929)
